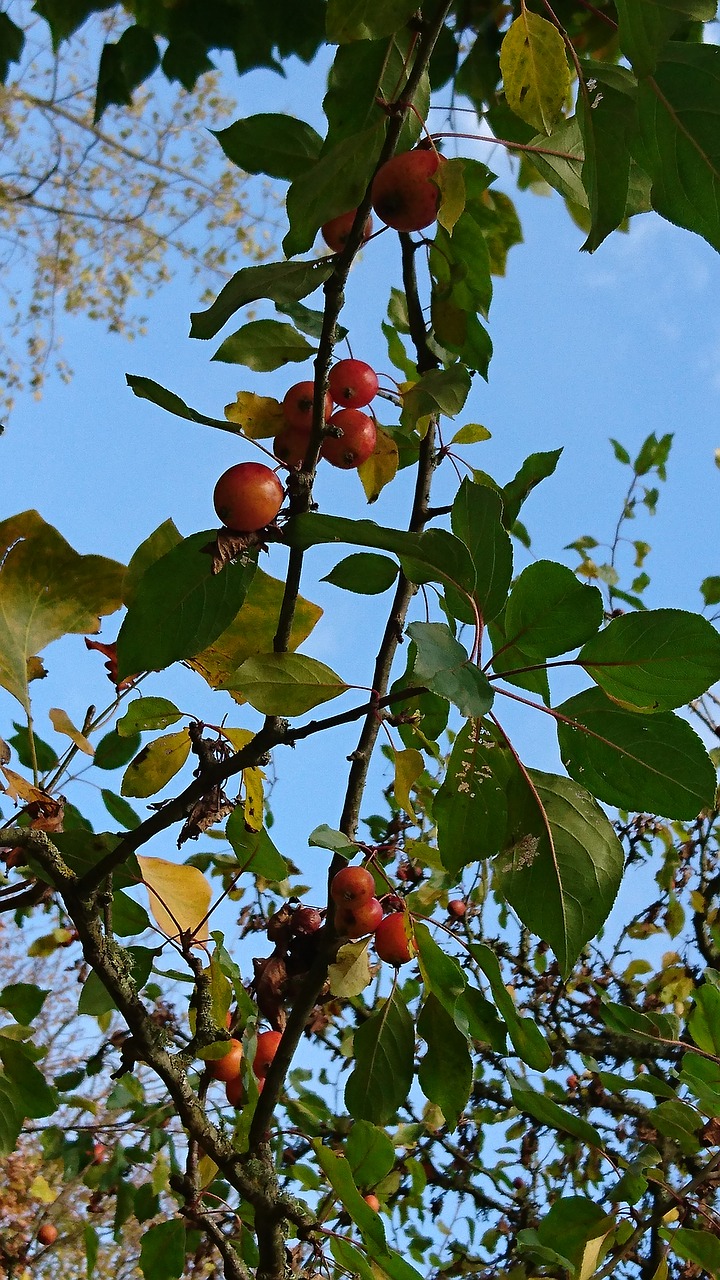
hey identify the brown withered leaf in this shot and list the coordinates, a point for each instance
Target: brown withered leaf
(710, 1133)
(279, 927)
(229, 546)
(208, 810)
(4, 751)
(269, 988)
(47, 814)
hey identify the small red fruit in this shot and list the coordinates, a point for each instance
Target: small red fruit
(391, 940)
(403, 195)
(373, 1202)
(99, 1153)
(235, 1092)
(290, 445)
(336, 231)
(228, 1067)
(267, 1043)
(306, 920)
(356, 921)
(457, 908)
(351, 886)
(248, 496)
(353, 383)
(357, 442)
(298, 405)
(48, 1233)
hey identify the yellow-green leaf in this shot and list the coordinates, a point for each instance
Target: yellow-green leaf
(473, 433)
(179, 897)
(156, 764)
(286, 684)
(41, 1190)
(535, 71)
(381, 467)
(258, 416)
(253, 798)
(62, 723)
(409, 764)
(449, 177)
(350, 974)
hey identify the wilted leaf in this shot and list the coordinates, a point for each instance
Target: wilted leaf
(349, 974)
(381, 467)
(62, 723)
(259, 416)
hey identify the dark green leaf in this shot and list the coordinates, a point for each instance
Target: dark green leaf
(332, 185)
(645, 26)
(470, 808)
(281, 146)
(364, 74)
(477, 520)
(561, 173)
(704, 1021)
(366, 19)
(548, 1112)
(92, 1241)
(181, 606)
(642, 763)
(263, 345)
(83, 849)
(309, 321)
(537, 467)
(120, 810)
(338, 1171)
(113, 751)
(445, 1074)
(255, 850)
(549, 611)
(162, 1251)
(695, 1246)
(147, 713)
(679, 143)
(12, 41)
(481, 1018)
(45, 757)
(562, 863)
(527, 1038)
(123, 66)
(443, 665)
(146, 389)
(656, 660)
(440, 973)
(365, 574)
(383, 1048)
(571, 1222)
(281, 282)
(647, 1026)
(369, 1152)
(128, 917)
(185, 60)
(608, 122)
(514, 665)
(96, 1000)
(23, 1001)
(161, 540)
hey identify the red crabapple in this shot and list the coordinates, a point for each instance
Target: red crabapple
(298, 405)
(353, 383)
(336, 231)
(357, 442)
(248, 496)
(403, 195)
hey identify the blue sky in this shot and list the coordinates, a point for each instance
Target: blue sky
(621, 343)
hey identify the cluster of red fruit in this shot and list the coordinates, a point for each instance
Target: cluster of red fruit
(229, 1068)
(351, 386)
(358, 912)
(249, 495)
(404, 197)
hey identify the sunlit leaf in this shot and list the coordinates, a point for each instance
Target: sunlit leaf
(259, 416)
(179, 898)
(156, 764)
(62, 723)
(285, 684)
(381, 467)
(534, 66)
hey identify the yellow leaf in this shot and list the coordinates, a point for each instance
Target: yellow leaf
(350, 974)
(409, 764)
(381, 467)
(591, 1255)
(156, 764)
(259, 416)
(449, 177)
(19, 788)
(207, 1169)
(41, 1190)
(535, 71)
(62, 723)
(253, 801)
(179, 897)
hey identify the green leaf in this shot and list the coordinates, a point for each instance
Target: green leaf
(710, 588)
(704, 1021)
(185, 60)
(349, 20)
(444, 666)
(32, 1095)
(608, 122)
(263, 345)
(255, 850)
(562, 863)
(526, 1037)
(369, 1152)
(285, 684)
(655, 660)
(512, 664)
(445, 1074)
(23, 1001)
(128, 917)
(338, 1172)
(96, 1000)
(365, 74)
(647, 1026)
(162, 1251)
(548, 1112)
(481, 1018)
(441, 974)
(549, 611)
(383, 1048)
(572, 1222)
(120, 810)
(12, 42)
(45, 757)
(47, 591)
(695, 1246)
(470, 808)
(679, 143)
(123, 66)
(113, 751)
(278, 145)
(161, 540)
(433, 556)
(324, 837)
(156, 764)
(537, 467)
(477, 520)
(642, 763)
(563, 171)
(281, 282)
(645, 26)
(534, 66)
(82, 850)
(332, 185)
(146, 389)
(440, 391)
(147, 713)
(364, 573)
(181, 606)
